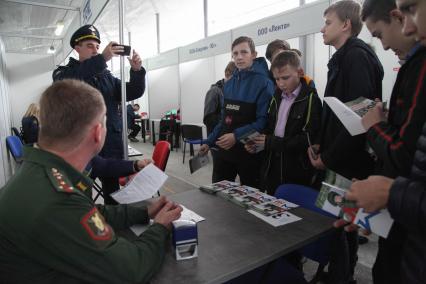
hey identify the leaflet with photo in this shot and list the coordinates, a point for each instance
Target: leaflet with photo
(238, 191)
(218, 186)
(274, 207)
(252, 199)
(350, 113)
(197, 162)
(332, 199)
(248, 138)
(277, 219)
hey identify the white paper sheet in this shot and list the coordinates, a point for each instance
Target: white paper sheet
(347, 116)
(143, 186)
(187, 214)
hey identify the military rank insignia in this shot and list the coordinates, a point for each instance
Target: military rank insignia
(95, 225)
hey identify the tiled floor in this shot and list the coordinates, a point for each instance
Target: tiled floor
(175, 168)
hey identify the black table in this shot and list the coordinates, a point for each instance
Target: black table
(233, 241)
(144, 123)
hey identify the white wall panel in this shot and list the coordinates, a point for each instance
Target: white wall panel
(163, 90)
(196, 78)
(5, 170)
(29, 76)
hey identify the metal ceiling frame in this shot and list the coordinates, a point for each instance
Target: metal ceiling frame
(62, 7)
(6, 34)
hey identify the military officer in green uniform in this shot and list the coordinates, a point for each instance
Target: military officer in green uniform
(50, 229)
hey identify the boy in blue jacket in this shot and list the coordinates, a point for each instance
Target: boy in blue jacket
(245, 105)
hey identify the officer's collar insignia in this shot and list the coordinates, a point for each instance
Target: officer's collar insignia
(81, 186)
(59, 181)
(96, 227)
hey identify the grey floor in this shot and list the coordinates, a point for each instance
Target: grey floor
(180, 171)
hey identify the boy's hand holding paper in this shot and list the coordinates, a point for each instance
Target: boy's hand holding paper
(373, 116)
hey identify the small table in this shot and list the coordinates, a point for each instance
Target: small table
(142, 121)
(233, 241)
(176, 133)
(133, 152)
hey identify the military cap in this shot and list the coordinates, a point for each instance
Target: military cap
(85, 32)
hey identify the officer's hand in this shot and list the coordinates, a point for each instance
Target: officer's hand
(204, 149)
(135, 61)
(156, 206)
(168, 214)
(143, 163)
(226, 141)
(111, 51)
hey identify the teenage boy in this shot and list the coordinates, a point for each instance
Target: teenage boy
(354, 71)
(400, 257)
(246, 99)
(394, 139)
(294, 114)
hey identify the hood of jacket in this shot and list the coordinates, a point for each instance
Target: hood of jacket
(259, 67)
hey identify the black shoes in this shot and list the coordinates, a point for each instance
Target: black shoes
(133, 139)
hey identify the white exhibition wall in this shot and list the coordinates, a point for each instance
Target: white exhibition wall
(195, 79)
(163, 89)
(29, 75)
(5, 166)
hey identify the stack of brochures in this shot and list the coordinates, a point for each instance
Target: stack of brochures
(235, 194)
(273, 207)
(265, 207)
(252, 199)
(218, 186)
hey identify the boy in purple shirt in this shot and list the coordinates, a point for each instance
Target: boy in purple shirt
(294, 114)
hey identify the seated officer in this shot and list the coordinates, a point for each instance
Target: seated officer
(61, 235)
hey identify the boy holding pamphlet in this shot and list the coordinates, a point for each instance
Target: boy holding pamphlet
(294, 115)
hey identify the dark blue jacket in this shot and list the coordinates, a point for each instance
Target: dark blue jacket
(131, 116)
(252, 86)
(109, 168)
(94, 72)
(30, 129)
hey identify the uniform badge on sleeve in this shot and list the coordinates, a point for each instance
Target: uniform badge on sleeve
(95, 225)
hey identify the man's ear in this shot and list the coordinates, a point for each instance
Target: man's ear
(97, 133)
(347, 25)
(300, 72)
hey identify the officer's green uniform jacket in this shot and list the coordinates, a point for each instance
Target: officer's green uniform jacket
(52, 232)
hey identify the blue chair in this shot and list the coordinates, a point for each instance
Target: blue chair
(193, 135)
(319, 250)
(15, 147)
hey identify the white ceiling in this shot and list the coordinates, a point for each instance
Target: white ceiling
(28, 28)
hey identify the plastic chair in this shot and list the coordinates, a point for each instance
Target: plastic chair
(160, 157)
(191, 134)
(16, 132)
(319, 250)
(15, 147)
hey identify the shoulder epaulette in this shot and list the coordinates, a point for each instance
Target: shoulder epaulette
(59, 181)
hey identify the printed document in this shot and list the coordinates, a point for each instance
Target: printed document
(143, 186)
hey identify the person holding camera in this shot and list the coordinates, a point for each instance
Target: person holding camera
(91, 67)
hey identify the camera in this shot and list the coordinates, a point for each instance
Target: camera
(126, 51)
